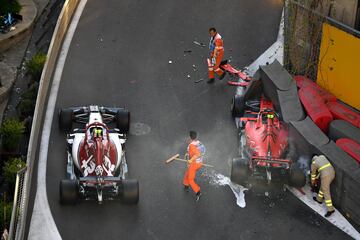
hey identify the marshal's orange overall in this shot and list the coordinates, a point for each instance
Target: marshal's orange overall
(195, 163)
(216, 47)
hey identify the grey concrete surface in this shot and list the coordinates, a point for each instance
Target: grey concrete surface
(42, 4)
(12, 50)
(10, 64)
(119, 57)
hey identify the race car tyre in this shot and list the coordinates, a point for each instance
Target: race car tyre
(123, 120)
(297, 177)
(131, 191)
(237, 106)
(239, 170)
(66, 119)
(69, 191)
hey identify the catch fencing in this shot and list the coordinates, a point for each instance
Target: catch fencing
(303, 21)
(303, 31)
(17, 215)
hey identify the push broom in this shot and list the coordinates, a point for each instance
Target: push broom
(176, 158)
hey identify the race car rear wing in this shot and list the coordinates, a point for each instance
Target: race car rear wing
(96, 179)
(271, 160)
(82, 114)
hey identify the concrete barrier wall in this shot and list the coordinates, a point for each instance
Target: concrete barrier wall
(280, 88)
(62, 25)
(345, 189)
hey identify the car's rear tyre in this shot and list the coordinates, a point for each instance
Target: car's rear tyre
(66, 117)
(123, 120)
(237, 106)
(297, 177)
(239, 170)
(130, 191)
(69, 191)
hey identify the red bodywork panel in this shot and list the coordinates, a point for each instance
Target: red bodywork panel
(230, 69)
(101, 151)
(266, 136)
(350, 147)
(241, 84)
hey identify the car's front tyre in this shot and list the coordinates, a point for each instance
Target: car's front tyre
(123, 120)
(66, 117)
(237, 106)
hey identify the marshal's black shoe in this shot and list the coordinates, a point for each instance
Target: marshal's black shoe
(198, 195)
(211, 80)
(186, 188)
(317, 200)
(222, 76)
(328, 214)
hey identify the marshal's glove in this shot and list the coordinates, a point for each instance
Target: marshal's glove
(314, 187)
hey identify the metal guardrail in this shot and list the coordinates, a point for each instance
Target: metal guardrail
(24, 176)
(20, 200)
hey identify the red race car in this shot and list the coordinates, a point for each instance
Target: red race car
(264, 146)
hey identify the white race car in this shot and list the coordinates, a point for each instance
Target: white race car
(96, 163)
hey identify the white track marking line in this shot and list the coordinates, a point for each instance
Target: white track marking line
(42, 225)
(275, 51)
(337, 219)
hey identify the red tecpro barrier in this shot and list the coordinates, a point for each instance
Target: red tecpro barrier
(302, 81)
(315, 107)
(350, 147)
(340, 111)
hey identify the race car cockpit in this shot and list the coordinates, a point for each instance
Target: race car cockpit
(96, 131)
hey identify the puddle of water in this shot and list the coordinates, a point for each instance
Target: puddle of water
(238, 190)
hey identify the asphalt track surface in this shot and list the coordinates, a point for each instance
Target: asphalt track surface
(119, 57)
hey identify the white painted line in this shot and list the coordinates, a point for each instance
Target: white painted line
(336, 219)
(275, 51)
(42, 225)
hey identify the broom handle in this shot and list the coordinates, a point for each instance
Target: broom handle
(183, 160)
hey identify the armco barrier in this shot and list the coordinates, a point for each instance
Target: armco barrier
(62, 25)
